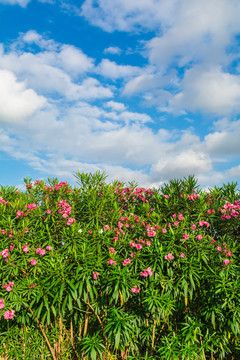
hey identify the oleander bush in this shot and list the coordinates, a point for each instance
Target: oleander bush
(114, 271)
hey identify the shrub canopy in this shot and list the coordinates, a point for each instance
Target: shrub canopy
(116, 271)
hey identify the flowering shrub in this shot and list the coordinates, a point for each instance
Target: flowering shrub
(103, 270)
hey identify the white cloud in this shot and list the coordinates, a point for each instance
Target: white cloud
(17, 102)
(22, 3)
(125, 15)
(181, 165)
(114, 50)
(225, 140)
(55, 72)
(73, 60)
(195, 35)
(115, 105)
(200, 30)
(110, 69)
(67, 57)
(209, 90)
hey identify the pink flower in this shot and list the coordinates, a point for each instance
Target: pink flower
(38, 250)
(180, 217)
(4, 253)
(226, 262)
(135, 289)
(1, 304)
(166, 196)
(182, 255)
(25, 248)
(49, 247)
(33, 261)
(169, 256)
(164, 231)
(176, 223)
(219, 248)
(42, 252)
(174, 216)
(148, 243)
(11, 283)
(147, 272)
(70, 221)
(138, 246)
(9, 314)
(112, 262)
(48, 212)
(111, 249)
(65, 215)
(126, 261)
(106, 227)
(229, 253)
(199, 237)
(144, 273)
(19, 213)
(193, 227)
(185, 236)
(132, 255)
(95, 275)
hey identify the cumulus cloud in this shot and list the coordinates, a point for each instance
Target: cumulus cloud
(17, 102)
(193, 37)
(224, 141)
(115, 105)
(126, 15)
(209, 90)
(61, 71)
(182, 164)
(22, 3)
(200, 32)
(110, 69)
(114, 50)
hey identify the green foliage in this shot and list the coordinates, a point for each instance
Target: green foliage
(121, 272)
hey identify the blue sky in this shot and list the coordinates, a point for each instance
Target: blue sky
(145, 90)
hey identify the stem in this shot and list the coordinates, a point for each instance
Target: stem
(60, 336)
(204, 357)
(80, 330)
(86, 321)
(72, 339)
(44, 335)
(153, 333)
(100, 322)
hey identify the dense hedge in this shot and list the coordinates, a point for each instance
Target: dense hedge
(109, 271)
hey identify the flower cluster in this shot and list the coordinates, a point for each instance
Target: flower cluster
(9, 314)
(25, 248)
(126, 261)
(33, 261)
(95, 275)
(1, 304)
(147, 272)
(40, 251)
(5, 253)
(169, 256)
(112, 262)
(2, 201)
(8, 286)
(135, 289)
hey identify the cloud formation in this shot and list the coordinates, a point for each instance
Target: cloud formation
(16, 102)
